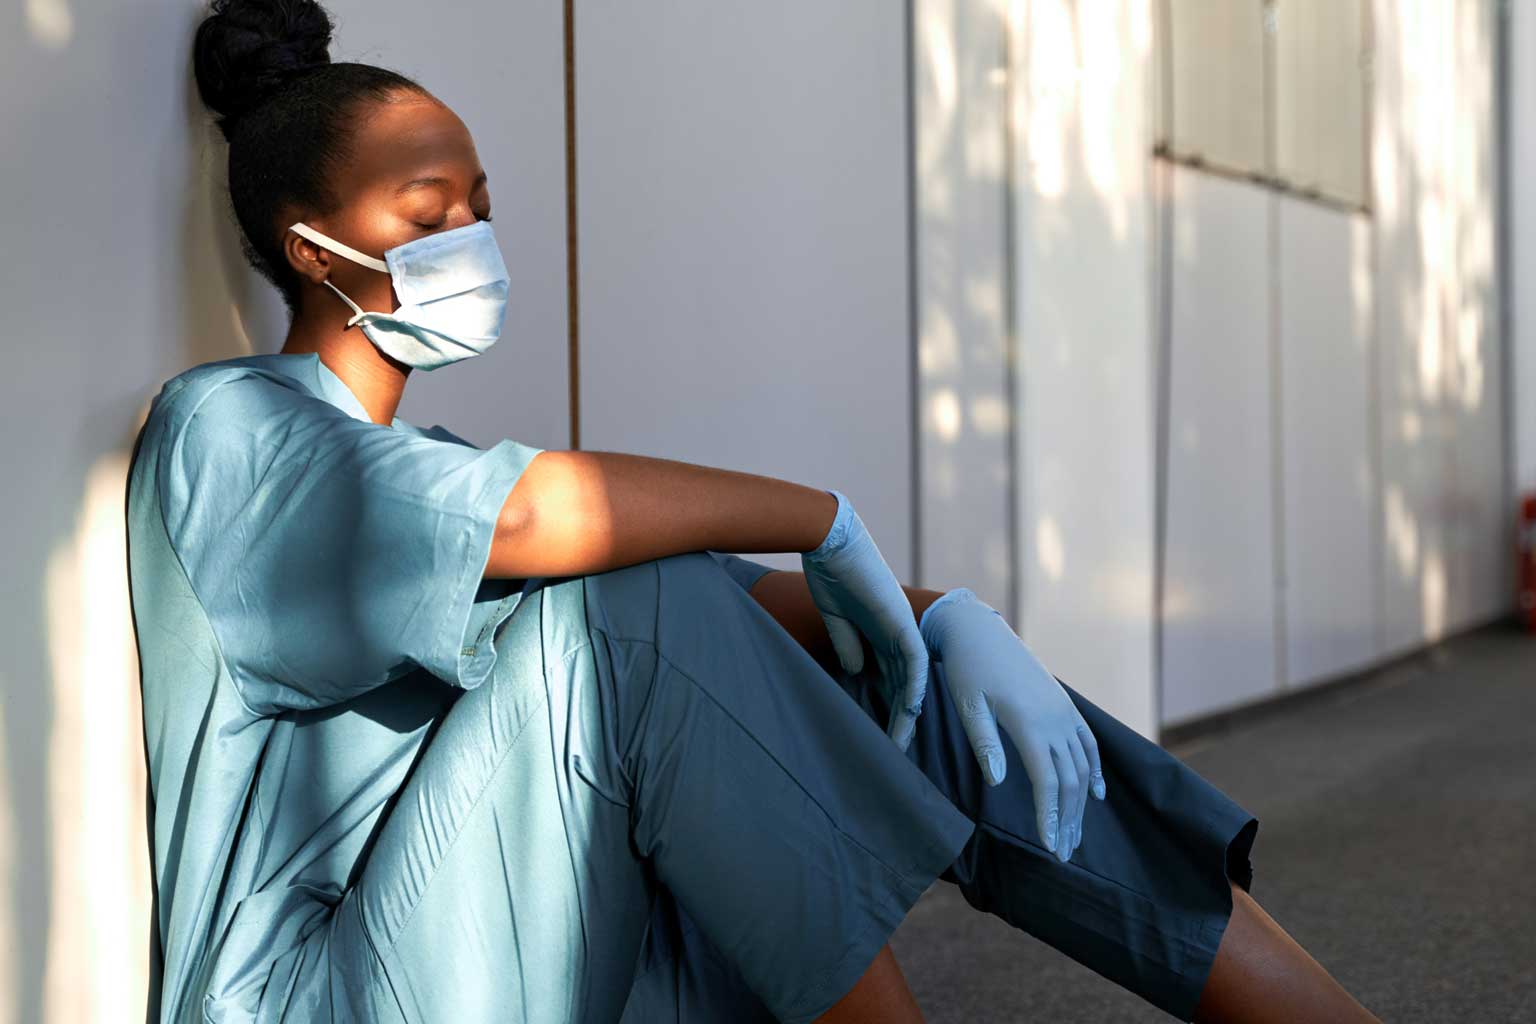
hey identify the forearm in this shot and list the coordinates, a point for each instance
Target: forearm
(579, 512)
(785, 596)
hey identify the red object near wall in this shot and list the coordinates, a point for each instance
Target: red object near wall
(1527, 555)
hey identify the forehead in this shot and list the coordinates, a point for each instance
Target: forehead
(407, 138)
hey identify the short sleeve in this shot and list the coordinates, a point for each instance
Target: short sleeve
(743, 570)
(332, 554)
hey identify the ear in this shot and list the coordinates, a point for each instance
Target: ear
(307, 259)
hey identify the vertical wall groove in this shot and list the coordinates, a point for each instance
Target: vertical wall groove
(1504, 305)
(572, 290)
(914, 381)
(1162, 174)
(1014, 504)
(1276, 411)
(1373, 387)
(1162, 411)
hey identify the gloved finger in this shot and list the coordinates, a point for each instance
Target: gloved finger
(1080, 762)
(911, 669)
(1074, 815)
(889, 680)
(902, 722)
(1047, 790)
(845, 641)
(901, 728)
(981, 728)
(1095, 767)
(1066, 773)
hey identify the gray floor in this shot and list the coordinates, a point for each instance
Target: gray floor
(1397, 843)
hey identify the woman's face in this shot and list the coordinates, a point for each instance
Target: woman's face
(412, 171)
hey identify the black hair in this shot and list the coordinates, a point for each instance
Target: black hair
(287, 112)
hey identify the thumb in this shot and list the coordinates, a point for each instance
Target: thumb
(845, 641)
(981, 728)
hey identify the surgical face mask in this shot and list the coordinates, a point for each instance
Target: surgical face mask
(453, 294)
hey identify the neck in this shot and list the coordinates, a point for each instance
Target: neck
(376, 380)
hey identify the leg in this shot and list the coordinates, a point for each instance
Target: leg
(880, 996)
(1156, 897)
(501, 886)
(683, 978)
(826, 834)
(1148, 901)
(642, 732)
(1144, 900)
(1261, 975)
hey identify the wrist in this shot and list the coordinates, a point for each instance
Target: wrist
(837, 533)
(933, 624)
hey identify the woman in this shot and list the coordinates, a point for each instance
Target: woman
(443, 733)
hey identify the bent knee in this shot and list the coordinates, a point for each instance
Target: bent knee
(695, 585)
(693, 567)
(622, 602)
(632, 601)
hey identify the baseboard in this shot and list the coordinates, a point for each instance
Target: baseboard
(1227, 719)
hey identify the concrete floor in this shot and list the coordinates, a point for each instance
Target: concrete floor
(1397, 843)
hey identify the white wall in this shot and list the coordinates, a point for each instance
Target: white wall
(1446, 547)
(1336, 457)
(1323, 345)
(120, 269)
(1219, 639)
(966, 442)
(1081, 110)
(743, 247)
(1325, 508)
(1272, 578)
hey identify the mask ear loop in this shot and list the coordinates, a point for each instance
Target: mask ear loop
(347, 252)
(355, 307)
(326, 242)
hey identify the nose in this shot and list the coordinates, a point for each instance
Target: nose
(459, 217)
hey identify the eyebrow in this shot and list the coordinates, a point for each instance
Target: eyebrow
(416, 183)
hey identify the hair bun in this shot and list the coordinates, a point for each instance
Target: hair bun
(246, 49)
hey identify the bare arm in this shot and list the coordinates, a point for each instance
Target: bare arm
(785, 596)
(578, 512)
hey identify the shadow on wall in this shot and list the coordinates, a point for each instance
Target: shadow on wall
(961, 82)
(1444, 526)
(1086, 350)
(1062, 82)
(76, 935)
(227, 309)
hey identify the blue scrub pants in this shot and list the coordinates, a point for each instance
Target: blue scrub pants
(660, 808)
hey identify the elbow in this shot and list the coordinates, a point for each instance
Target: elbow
(509, 541)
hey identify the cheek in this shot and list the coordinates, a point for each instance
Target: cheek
(370, 229)
(373, 291)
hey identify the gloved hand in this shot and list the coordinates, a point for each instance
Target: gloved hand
(994, 678)
(856, 592)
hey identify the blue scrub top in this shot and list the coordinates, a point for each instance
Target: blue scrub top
(308, 601)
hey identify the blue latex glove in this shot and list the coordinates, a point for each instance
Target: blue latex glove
(857, 593)
(994, 678)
